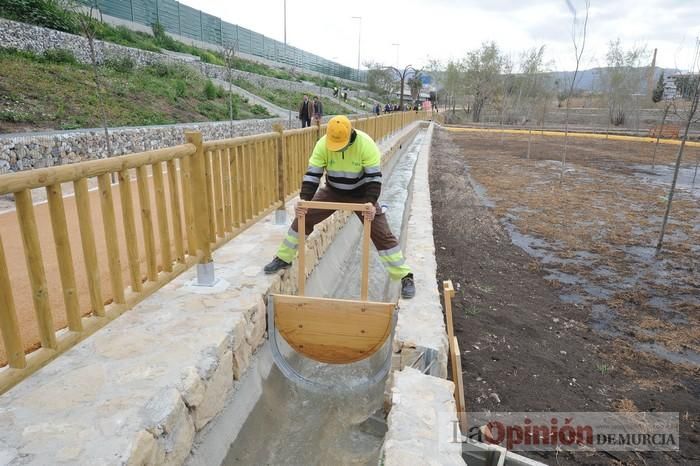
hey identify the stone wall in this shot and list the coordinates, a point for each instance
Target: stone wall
(24, 152)
(38, 150)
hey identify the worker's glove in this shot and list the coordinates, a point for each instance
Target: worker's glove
(369, 214)
(298, 210)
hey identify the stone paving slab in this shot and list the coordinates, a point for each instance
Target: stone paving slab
(136, 391)
(421, 421)
(421, 324)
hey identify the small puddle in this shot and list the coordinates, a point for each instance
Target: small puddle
(572, 298)
(662, 175)
(687, 357)
(603, 320)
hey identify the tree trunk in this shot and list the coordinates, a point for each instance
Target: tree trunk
(476, 113)
(677, 167)
(671, 191)
(230, 101)
(566, 140)
(98, 92)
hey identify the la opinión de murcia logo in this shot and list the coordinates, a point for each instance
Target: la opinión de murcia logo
(545, 431)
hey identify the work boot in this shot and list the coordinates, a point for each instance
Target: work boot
(408, 287)
(276, 265)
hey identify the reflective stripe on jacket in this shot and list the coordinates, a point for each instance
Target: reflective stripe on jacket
(348, 171)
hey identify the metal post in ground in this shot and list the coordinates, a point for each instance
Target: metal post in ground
(205, 267)
(281, 212)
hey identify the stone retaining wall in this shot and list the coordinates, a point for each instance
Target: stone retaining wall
(38, 150)
(23, 152)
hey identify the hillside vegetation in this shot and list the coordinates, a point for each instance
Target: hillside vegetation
(53, 91)
(51, 14)
(290, 99)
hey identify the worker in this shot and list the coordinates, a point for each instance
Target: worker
(351, 160)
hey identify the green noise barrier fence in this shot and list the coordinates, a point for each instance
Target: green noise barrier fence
(191, 23)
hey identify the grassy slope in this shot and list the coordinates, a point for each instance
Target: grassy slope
(37, 94)
(289, 99)
(50, 14)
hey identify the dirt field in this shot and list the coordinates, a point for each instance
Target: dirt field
(561, 303)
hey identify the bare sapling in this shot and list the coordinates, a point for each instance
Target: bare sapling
(531, 68)
(579, 46)
(85, 20)
(667, 108)
(229, 52)
(505, 88)
(689, 119)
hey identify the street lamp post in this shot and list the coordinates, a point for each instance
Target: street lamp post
(285, 49)
(359, 37)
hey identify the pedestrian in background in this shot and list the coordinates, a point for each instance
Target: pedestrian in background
(305, 112)
(317, 110)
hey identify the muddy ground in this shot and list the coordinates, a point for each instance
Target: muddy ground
(561, 303)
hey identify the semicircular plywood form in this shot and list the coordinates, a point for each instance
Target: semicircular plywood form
(333, 331)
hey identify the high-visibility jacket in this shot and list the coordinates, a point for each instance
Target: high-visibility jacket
(355, 171)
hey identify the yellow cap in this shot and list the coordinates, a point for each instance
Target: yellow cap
(338, 133)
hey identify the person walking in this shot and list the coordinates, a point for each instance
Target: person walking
(377, 109)
(317, 110)
(305, 112)
(352, 163)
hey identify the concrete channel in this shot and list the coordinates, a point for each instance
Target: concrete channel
(286, 424)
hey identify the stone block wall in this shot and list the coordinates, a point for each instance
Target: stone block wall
(39, 150)
(23, 152)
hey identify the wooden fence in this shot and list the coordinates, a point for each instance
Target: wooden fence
(174, 206)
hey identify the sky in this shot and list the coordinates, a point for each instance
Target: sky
(446, 29)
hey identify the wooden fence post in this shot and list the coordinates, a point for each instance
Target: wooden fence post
(201, 209)
(281, 212)
(455, 357)
(9, 329)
